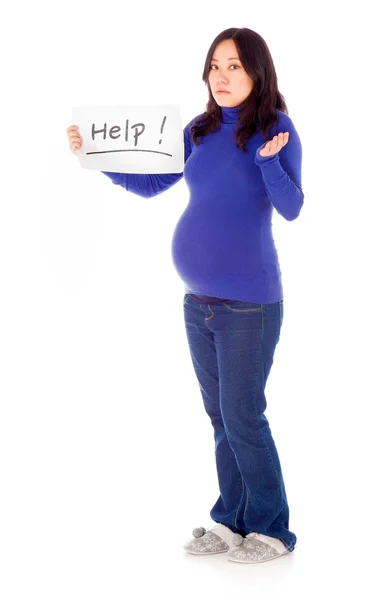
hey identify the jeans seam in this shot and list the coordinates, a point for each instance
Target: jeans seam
(237, 510)
(246, 506)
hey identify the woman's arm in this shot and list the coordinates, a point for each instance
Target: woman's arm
(282, 172)
(148, 185)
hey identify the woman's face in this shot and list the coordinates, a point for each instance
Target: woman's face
(226, 74)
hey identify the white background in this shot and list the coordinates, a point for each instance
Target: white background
(106, 453)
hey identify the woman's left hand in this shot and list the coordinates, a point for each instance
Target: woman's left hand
(274, 145)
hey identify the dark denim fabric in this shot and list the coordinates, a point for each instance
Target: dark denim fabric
(232, 347)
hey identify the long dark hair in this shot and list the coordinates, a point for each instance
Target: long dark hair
(259, 108)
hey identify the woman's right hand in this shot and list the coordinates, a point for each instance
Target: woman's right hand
(74, 138)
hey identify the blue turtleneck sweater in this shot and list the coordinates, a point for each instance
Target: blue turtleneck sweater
(222, 246)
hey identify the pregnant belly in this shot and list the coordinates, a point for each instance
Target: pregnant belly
(207, 245)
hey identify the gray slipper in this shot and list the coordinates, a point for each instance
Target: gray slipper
(256, 548)
(213, 541)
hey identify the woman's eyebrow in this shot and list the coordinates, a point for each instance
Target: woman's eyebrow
(232, 58)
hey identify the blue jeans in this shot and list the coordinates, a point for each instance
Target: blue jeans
(232, 347)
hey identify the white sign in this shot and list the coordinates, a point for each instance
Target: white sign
(130, 139)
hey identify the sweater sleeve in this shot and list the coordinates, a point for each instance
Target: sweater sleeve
(282, 172)
(148, 185)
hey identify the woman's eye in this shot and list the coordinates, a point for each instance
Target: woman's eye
(237, 66)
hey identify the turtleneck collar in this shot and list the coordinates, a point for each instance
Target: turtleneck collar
(229, 114)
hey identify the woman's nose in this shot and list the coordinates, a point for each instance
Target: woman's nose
(220, 78)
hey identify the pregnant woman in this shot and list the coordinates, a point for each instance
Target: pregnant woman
(243, 159)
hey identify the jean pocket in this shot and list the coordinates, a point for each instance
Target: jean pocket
(242, 306)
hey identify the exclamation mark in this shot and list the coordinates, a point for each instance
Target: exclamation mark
(163, 122)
